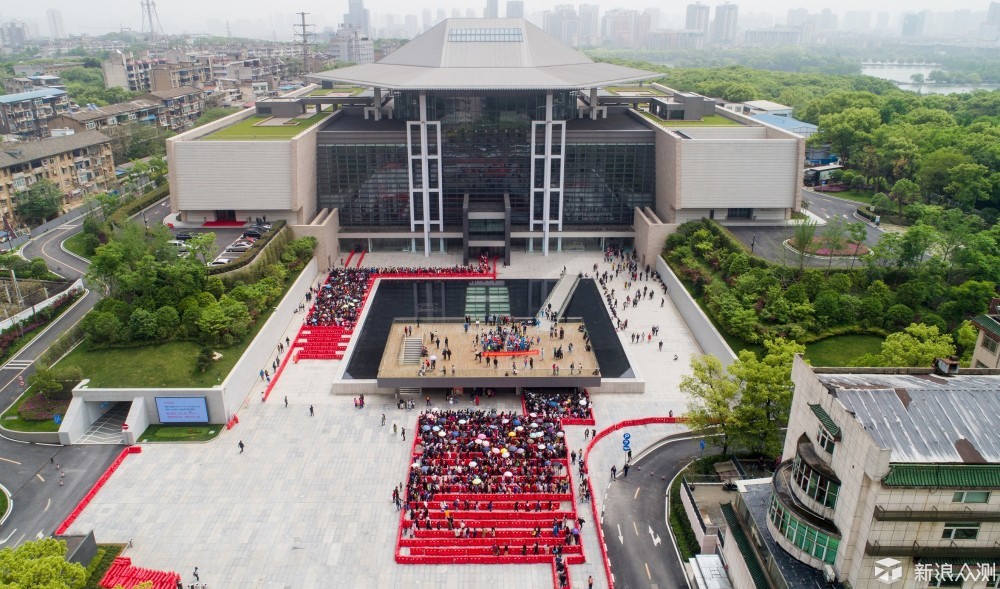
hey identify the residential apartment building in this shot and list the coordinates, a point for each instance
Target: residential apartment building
(350, 45)
(724, 26)
(31, 83)
(28, 113)
(79, 164)
(140, 111)
(253, 69)
(181, 106)
(154, 74)
(987, 352)
(889, 477)
(697, 18)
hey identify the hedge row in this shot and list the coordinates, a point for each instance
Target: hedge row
(251, 255)
(124, 212)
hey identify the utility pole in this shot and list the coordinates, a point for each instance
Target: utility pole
(303, 31)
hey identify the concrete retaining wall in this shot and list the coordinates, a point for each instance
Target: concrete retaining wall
(262, 349)
(31, 437)
(708, 337)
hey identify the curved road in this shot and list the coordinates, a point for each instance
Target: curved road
(42, 495)
(640, 546)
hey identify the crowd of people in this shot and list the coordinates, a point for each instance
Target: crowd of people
(482, 452)
(627, 262)
(339, 299)
(573, 403)
(506, 339)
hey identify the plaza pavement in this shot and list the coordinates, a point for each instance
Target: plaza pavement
(308, 504)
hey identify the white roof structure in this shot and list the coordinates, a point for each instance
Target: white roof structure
(486, 54)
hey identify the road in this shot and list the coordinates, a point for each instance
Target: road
(28, 471)
(640, 546)
(768, 241)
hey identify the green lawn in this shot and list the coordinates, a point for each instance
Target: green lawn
(863, 196)
(244, 130)
(709, 121)
(841, 350)
(12, 421)
(75, 245)
(180, 433)
(354, 90)
(644, 89)
(3, 504)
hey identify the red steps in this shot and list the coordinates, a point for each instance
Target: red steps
(123, 573)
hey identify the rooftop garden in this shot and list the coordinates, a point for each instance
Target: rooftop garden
(250, 129)
(709, 121)
(642, 90)
(352, 90)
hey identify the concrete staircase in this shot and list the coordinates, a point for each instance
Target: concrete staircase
(411, 350)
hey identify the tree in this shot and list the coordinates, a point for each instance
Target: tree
(848, 131)
(805, 231)
(712, 395)
(41, 564)
(858, 233)
(40, 202)
(969, 184)
(935, 168)
(834, 235)
(917, 78)
(766, 396)
(202, 246)
(904, 192)
(917, 345)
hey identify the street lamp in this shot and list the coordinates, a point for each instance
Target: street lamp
(753, 242)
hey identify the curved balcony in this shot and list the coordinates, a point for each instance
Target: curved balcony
(808, 537)
(814, 483)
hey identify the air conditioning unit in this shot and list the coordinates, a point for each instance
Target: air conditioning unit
(829, 574)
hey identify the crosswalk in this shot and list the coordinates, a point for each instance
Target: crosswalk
(18, 364)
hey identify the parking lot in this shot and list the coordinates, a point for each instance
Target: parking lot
(224, 237)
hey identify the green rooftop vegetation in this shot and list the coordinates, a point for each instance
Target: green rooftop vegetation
(636, 90)
(709, 121)
(250, 129)
(353, 90)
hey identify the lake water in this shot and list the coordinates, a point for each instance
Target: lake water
(901, 74)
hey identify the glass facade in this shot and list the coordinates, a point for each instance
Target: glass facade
(605, 182)
(368, 183)
(807, 538)
(813, 484)
(485, 144)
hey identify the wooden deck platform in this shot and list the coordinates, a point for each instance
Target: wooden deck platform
(464, 370)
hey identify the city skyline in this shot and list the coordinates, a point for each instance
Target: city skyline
(188, 16)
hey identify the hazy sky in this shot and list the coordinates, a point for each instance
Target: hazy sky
(177, 16)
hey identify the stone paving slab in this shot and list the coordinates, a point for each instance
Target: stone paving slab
(309, 502)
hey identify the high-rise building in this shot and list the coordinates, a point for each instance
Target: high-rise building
(427, 19)
(357, 17)
(56, 28)
(590, 25)
(14, 34)
(618, 27)
(515, 8)
(412, 28)
(882, 21)
(913, 24)
(724, 25)
(492, 9)
(828, 21)
(697, 17)
(993, 15)
(797, 17)
(563, 24)
(456, 13)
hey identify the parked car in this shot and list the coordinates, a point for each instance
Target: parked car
(253, 233)
(237, 248)
(218, 262)
(183, 236)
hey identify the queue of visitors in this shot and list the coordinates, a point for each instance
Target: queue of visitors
(506, 339)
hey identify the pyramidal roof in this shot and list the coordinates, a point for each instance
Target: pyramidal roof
(486, 54)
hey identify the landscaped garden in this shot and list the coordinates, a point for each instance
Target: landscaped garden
(180, 433)
(251, 129)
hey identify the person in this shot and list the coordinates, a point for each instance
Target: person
(286, 401)
(403, 431)
(590, 582)
(383, 419)
(614, 472)
(241, 446)
(311, 411)
(195, 574)
(661, 345)
(625, 471)
(394, 430)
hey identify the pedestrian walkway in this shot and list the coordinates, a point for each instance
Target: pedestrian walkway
(309, 501)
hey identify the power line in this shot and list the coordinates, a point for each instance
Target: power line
(304, 31)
